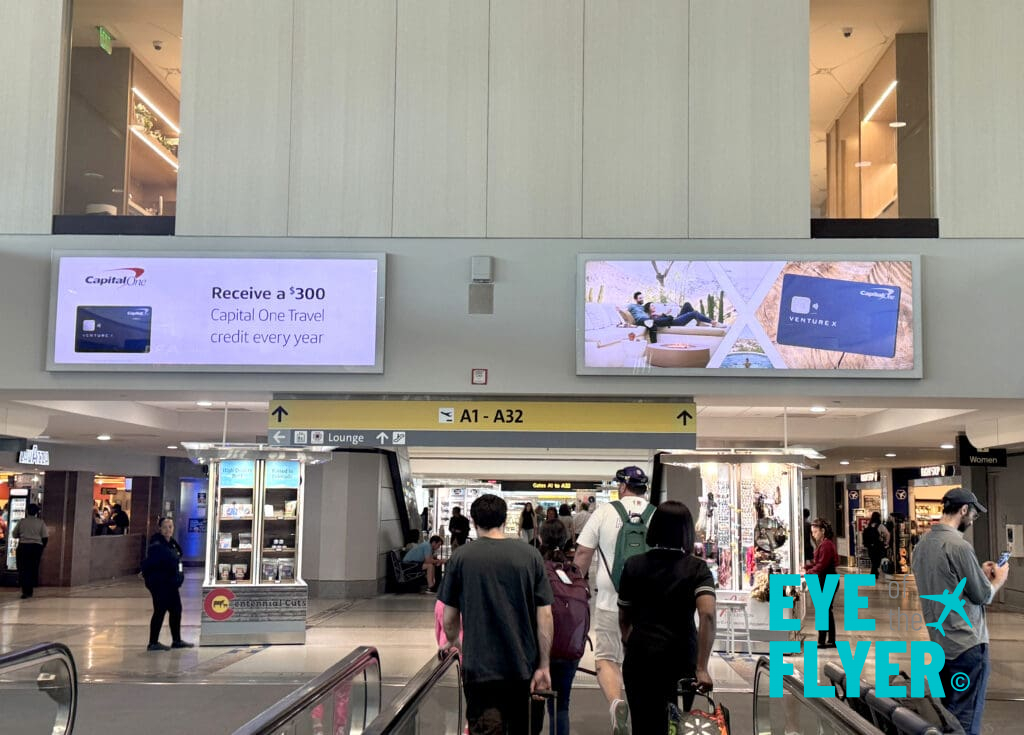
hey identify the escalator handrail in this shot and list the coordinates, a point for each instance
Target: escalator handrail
(414, 693)
(23, 657)
(794, 685)
(291, 706)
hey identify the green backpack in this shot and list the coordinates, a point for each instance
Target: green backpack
(632, 539)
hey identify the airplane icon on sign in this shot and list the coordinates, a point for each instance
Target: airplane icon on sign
(951, 601)
(446, 415)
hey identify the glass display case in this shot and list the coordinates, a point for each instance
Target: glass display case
(235, 505)
(253, 591)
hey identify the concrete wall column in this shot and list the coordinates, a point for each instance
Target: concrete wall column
(975, 479)
(67, 510)
(346, 510)
(32, 56)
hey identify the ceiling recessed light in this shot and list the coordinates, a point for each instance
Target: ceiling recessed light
(890, 454)
(104, 437)
(844, 461)
(818, 409)
(945, 446)
(204, 404)
(897, 124)
(172, 446)
(42, 436)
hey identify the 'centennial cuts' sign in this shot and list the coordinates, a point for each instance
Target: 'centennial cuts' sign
(251, 614)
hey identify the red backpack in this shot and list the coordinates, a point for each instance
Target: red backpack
(570, 610)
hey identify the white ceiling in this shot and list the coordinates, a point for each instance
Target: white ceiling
(839, 65)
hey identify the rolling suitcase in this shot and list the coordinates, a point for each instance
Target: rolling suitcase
(714, 721)
(538, 706)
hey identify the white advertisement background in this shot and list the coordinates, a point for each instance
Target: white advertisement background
(179, 291)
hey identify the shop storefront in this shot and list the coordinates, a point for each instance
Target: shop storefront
(540, 494)
(749, 526)
(111, 496)
(865, 495)
(16, 492)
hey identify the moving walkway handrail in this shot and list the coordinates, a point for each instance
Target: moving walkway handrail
(293, 705)
(793, 684)
(413, 694)
(67, 707)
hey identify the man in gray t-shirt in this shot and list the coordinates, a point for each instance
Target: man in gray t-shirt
(501, 590)
(941, 560)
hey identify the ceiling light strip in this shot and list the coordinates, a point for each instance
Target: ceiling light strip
(885, 94)
(156, 149)
(157, 110)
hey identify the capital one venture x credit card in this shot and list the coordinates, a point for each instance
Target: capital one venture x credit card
(842, 316)
(113, 329)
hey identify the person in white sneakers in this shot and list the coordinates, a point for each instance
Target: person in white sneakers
(602, 535)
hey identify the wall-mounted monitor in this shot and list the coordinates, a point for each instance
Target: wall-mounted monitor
(835, 317)
(146, 312)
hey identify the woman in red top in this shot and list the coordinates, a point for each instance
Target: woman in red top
(824, 564)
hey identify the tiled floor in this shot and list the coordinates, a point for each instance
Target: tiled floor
(105, 626)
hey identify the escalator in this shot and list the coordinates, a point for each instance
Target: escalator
(39, 694)
(38, 690)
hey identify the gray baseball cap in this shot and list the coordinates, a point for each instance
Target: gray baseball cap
(960, 495)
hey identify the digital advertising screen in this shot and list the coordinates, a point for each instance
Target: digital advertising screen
(217, 313)
(771, 317)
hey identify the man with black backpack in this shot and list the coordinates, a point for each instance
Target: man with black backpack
(616, 531)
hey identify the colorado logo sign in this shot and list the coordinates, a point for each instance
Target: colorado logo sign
(217, 604)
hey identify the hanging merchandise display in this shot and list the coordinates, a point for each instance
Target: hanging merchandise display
(746, 530)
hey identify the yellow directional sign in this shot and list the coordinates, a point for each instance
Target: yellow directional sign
(477, 416)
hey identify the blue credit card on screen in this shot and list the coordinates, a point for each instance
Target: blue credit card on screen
(842, 316)
(117, 329)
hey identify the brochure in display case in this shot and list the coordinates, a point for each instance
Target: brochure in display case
(253, 590)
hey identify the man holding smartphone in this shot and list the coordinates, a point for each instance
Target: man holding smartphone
(941, 560)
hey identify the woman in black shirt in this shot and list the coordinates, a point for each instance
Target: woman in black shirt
(658, 595)
(164, 575)
(528, 524)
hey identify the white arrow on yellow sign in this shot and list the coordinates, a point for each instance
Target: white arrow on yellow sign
(505, 415)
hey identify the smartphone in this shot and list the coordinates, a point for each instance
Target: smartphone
(1003, 559)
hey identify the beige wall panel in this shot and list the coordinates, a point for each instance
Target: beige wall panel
(979, 105)
(235, 117)
(535, 136)
(32, 63)
(635, 119)
(749, 118)
(343, 115)
(441, 119)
